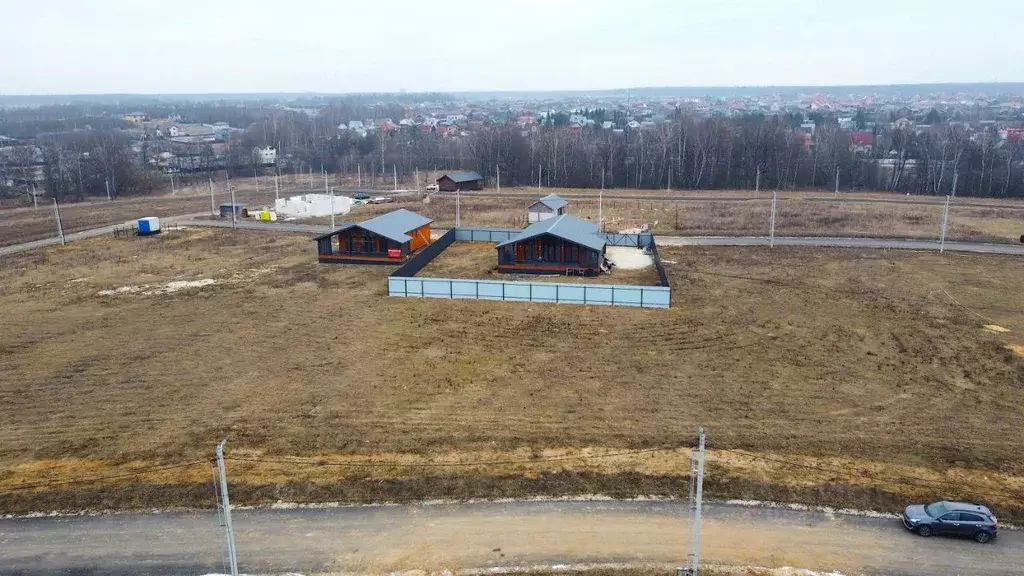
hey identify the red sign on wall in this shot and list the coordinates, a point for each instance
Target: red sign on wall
(394, 253)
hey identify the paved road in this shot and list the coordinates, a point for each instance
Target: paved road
(91, 233)
(1013, 249)
(433, 537)
(191, 220)
(841, 199)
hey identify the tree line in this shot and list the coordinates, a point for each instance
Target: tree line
(683, 152)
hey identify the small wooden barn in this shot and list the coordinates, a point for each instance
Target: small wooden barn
(560, 245)
(547, 207)
(464, 180)
(387, 239)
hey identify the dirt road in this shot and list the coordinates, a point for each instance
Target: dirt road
(433, 537)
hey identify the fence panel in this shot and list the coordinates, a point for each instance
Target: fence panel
(419, 261)
(549, 292)
(495, 235)
(662, 276)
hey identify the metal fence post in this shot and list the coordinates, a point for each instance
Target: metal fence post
(227, 509)
(945, 222)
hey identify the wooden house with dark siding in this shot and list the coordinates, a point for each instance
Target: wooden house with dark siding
(390, 238)
(560, 245)
(460, 181)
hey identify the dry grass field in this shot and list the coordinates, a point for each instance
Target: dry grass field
(795, 217)
(844, 377)
(27, 224)
(479, 261)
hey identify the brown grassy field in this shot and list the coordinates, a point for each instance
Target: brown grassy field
(750, 218)
(25, 224)
(479, 261)
(836, 376)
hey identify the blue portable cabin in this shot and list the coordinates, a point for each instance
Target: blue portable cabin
(148, 226)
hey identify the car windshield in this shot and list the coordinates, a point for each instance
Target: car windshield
(935, 510)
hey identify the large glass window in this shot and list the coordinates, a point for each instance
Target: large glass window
(550, 251)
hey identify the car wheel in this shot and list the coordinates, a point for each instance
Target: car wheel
(925, 531)
(982, 537)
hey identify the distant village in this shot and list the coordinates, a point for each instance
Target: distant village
(889, 140)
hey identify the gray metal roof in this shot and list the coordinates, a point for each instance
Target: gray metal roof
(567, 227)
(463, 176)
(552, 201)
(392, 225)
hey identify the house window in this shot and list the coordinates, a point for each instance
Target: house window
(572, 253)
(550, 252)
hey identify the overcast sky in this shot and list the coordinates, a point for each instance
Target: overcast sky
(202, 46)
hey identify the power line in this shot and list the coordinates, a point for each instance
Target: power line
(140, 472)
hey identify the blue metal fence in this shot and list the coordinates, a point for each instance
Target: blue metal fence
(635, 240)
(515, 291)
(494, 235)
(419, 261)
(403, 282)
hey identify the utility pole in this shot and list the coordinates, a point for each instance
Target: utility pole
(256, 175)
(213, 206)
(757, 182)
(359, 175)
(458, 210)
(540, 172)
(326, 189)
(60, 227)
(35, 196)
(669, 187)
(394, 173)
(417, 178)
(837, 181)
(772, 225)
(945, 222)
(106, 181)
(277, 188)
(600, 204)
(234, 207)
(696, 503)
(227, 508)
(332, 208)
(497, 171)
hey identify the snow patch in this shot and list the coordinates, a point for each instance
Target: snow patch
(178, 285)
(615, 566)
(626, 258)
(312, 205)
(154, 289)
(805, 508)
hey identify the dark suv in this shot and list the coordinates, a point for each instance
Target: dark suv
(952, 519)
